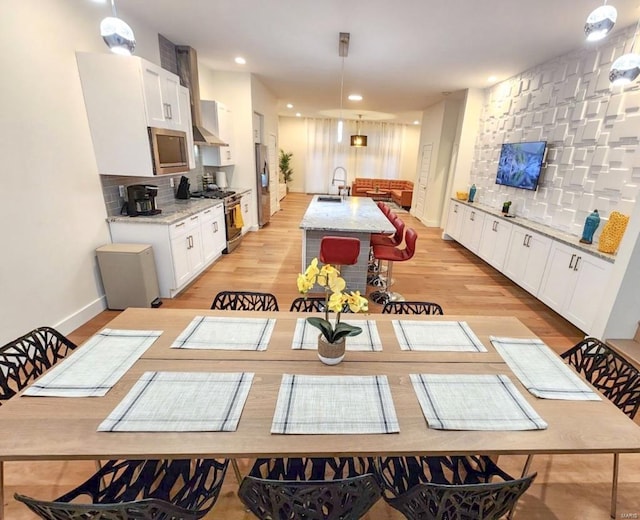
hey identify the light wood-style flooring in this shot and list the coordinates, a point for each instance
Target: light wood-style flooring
(568, 487)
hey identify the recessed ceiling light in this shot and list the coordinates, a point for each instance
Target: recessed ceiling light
(298, 114)
(492, 79)
(240, 60)
(416, 122)
(355, 97)
(289, 105)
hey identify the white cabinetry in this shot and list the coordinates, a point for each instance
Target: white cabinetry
(217, 118)
(124, 95)
(245, 205)
(164, 98)
(494, 243)
(471, 230)
(573, 282)
(214, 238)
(454, 220)
(526, 258)
(182, 250)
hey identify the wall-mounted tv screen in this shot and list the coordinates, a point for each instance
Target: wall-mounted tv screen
(520, 164)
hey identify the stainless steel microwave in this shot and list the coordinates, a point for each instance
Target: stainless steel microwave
(168, 151)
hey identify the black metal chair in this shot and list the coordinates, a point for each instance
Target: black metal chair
(615, 377)
(25, 359)
(310, 488)
(140, 489)
(449, 488)
(244, 301)
(312, 304)
(412, 308)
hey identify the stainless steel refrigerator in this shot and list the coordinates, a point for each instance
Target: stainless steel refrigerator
(264, 196)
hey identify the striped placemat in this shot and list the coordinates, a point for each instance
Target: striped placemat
(455, 336)
(306, 336)
(221, 333)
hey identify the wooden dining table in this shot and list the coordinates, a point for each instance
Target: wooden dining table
(65, 428)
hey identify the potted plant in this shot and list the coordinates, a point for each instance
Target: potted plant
(331, 341)
(285, 167)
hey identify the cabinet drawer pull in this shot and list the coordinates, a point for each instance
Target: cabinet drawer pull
(495, 226)
(573, 257)
(195, 218)
(178, 225)
(215, 227)
(528, 240)
(472, 217)
(524, 240)
(207, 211)
(575, 267)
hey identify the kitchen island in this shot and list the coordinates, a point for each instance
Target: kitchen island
(356, 217)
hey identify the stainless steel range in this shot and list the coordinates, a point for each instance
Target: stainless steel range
(232, 214)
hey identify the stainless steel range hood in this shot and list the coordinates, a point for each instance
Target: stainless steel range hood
(187, 59)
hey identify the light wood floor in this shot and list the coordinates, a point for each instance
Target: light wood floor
(566, 488)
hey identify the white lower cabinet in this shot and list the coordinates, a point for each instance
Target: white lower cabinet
(573, 282)
(527, 258)
(496, 233)
(471, 229)
(182, 250)
(454, 220)
(245, 205)
(214, 238)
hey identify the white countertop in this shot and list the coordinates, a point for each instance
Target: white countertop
(171, 213)
(555, 234)
(354, 214)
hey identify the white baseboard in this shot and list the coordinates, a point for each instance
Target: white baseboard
(79, 318)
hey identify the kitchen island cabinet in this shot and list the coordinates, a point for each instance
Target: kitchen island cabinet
(185, 239)
(356, 217)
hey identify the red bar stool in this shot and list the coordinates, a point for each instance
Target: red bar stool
(391, 255)
(380, 239)
(339, 251)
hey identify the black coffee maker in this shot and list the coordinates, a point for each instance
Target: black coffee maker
(141, 200)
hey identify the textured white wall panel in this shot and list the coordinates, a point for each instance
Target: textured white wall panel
(592, 132)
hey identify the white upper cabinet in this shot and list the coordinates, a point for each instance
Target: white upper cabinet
(164, 98)
(217, 118)
(124, 95)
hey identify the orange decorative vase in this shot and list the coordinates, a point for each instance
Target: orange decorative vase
(612, 232)
(330, 353)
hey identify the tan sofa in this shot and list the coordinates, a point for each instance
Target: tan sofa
(400, 192)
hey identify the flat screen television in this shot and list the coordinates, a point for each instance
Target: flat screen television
(520, 164)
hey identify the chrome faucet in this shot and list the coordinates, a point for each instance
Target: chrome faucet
(341, 190)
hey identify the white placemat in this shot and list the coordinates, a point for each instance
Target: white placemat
(541, 371)
(94, 368)
(218, 333)
(455, 336)
(334, 404)
(306, 336)
(181, 402)
(474, 402)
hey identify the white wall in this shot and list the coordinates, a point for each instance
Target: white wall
(52, 211)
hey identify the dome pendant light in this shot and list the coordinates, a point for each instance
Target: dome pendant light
(117, 34)
(358, 140)
(626, 68)
(600, 22)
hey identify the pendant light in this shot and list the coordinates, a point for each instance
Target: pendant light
(626, 68)
(343, 52)
(117, 34)
(358, 140)
(600, 22)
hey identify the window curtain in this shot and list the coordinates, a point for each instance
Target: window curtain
(325, 156)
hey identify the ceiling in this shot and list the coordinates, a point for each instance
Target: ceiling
(403, 56)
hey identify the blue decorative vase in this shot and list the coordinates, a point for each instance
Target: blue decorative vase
(472, 193)
(590, 225)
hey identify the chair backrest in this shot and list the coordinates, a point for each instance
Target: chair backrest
(185, 488)
(410, 239)
(608, 371)
(244, 301)
(312, 304)
(310, 488)
(398, 236)
(28, 357)
(339, 250)
(406, 307)
(452, 488)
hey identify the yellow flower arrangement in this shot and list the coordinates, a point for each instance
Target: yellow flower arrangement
(335, 300)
